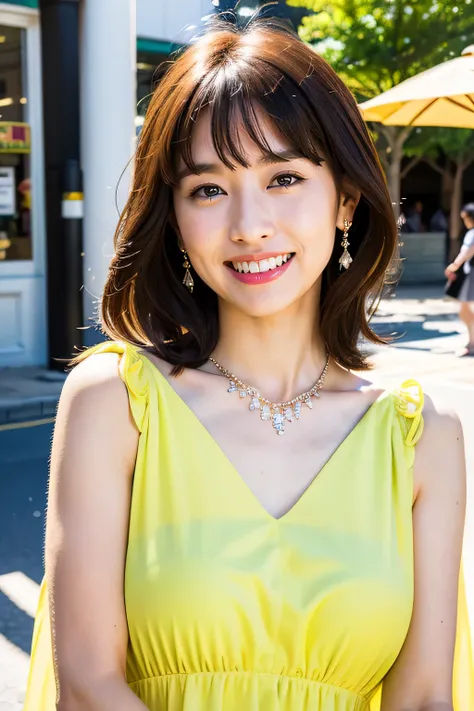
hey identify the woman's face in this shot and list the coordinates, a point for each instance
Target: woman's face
(468, 221)
(260, 237)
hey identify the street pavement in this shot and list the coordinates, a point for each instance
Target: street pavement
(23, 481)
(428, 335)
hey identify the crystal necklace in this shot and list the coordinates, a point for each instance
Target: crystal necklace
(278, 412)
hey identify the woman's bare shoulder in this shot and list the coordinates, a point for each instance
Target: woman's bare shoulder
(94, 386)
(95, 369)
(441, 422)
(440, 454)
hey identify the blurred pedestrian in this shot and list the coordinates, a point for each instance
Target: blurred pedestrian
(465, 294)
(439, 221)
(414, 219)
(208, 547)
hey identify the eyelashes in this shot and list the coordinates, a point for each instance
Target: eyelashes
(294, 176)
(214, 191)
(196, 191)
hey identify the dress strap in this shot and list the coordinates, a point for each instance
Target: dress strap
(132, 372)
(409, 401)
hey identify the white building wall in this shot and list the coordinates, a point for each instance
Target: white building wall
(108, 101)
(170, 20)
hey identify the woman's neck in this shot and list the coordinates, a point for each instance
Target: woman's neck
(282, 355)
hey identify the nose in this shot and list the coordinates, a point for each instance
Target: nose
(250, 222)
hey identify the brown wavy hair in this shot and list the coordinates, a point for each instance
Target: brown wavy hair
(229, 72)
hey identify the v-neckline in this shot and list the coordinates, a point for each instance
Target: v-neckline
(240, 480)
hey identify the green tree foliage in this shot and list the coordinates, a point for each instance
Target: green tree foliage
(375, 44)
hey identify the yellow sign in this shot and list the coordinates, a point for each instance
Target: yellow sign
(4, 244)
(15, 137)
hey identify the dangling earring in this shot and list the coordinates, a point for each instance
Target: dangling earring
(188, 280)
(346, 259)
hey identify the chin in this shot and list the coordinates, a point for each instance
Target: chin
(261, 306)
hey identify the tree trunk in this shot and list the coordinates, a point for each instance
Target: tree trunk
(446, 189)
(395, 139)
(456, 204)
(394, 181)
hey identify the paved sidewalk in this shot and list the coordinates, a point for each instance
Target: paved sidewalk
(427, 337)
(423, 321)
(28, 394)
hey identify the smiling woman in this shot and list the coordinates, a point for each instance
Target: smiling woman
(235, 100)
(194, 560)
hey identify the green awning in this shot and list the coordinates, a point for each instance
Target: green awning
(154, 46)
(23, 3)
(144, 44)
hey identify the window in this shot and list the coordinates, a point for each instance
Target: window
(15, 148)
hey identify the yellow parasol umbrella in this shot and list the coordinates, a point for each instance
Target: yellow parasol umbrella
(441, 96)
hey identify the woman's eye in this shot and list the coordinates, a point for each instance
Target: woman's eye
(207, 191)
(286, 180)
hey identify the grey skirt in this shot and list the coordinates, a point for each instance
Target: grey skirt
(466, 292)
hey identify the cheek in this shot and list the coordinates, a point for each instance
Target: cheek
(195, 226)
(201, 233)
(183, 215)
(313, 223)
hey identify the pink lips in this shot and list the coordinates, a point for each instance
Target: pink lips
(260, 277)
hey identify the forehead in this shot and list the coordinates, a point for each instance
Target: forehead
(202, 139)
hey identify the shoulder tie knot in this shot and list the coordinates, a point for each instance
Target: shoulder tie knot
(133, 373)
(409, 403)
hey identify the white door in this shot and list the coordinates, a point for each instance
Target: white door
(23, 331)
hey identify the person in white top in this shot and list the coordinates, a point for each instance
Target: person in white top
(466, 293)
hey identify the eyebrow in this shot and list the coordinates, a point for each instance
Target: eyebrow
(267, 159)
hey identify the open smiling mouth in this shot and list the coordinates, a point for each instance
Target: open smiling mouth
(260, 271)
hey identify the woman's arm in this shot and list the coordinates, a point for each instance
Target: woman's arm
(94, 449)
(464, 255)
(421, 678)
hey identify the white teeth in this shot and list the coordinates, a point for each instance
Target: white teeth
(264, 265)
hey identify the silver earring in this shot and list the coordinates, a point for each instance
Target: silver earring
(188, 280)
(346, 259)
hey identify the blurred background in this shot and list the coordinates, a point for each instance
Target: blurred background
(75, 81)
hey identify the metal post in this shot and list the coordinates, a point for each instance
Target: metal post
(73, 213)
(60, 57)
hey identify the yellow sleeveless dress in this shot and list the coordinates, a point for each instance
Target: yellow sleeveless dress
(230, 609)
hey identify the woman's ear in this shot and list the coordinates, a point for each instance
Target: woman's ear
(348, 200)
